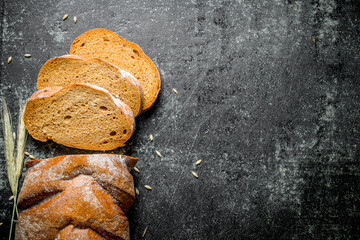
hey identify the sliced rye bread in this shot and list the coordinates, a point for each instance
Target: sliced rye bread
(81, 116)
(69, 69)
(107, 45)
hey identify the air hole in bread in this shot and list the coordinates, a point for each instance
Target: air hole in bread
(104, 142)
(132, 57)
(106, 40)
(124, 132)
(136, 52)
(113, 133)
(83, 44)
(67, 119)
(103, 108)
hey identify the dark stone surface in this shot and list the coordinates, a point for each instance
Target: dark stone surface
(268, 99)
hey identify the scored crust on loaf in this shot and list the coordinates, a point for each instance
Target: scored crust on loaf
(81, 116)
(69, 69)
(107, 45)
(76, 197)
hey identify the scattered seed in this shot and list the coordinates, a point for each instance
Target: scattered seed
(137, 191)
(151, 137)
(27, 55)
(75, 19)
(136, 169)
(26, 153)
(198, 162)
(180, 151)
(65, 16)
(11, 198)
(158, 153)
(31, 157)
(14, 135)
(9, 59)
(1, 223)
(194, 174)
(143, 235)
(206, 132)
(147, 187)
(175, 91)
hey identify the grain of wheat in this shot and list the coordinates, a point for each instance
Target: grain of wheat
(11, 198)
(31, 157)
(158, 153)
(26, 153)
(175, 91)
(137, 191)
(65, 16)
(136, 170)
(194, 174)
(198, 162)
(9, 59)
(147, 187)
(75, 19)
(27, 55)
(151, 137)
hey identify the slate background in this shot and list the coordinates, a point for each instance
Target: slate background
(268, 99)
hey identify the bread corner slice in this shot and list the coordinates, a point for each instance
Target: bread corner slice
(81, 116)
(107, 45)
(70, 69)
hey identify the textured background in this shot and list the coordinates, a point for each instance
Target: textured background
(268, 99)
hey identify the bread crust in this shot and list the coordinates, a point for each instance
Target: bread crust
(148, 100)
(76, 196)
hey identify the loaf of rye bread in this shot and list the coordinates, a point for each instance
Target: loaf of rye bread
(107, 45)
(76, 197)
(81, 116)
(69, 69)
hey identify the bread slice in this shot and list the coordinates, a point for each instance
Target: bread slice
(107, 45)
(69, 69)
(80, 116)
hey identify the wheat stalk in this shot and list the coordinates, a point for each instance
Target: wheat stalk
(14, 165)
(21, 144)
(9, 147)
